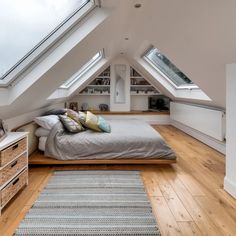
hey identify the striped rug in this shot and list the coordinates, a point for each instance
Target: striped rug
(91, 203)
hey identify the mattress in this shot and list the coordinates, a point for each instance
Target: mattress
(129, 138)
(42, 143)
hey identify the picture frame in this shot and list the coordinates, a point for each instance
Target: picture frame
(73, 106)
(3, 130)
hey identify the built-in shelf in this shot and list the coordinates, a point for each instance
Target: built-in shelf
(94, 94)
(141, 86)
(103, 77)
(144, 94)
(136, 77)
(98, 86)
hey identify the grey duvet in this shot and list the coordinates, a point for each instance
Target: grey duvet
(128, 139)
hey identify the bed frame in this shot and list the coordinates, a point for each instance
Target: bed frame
(38, 158)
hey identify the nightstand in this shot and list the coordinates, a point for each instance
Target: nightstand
(13, 166)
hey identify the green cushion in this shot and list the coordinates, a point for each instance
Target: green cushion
(70, 125)
(104, 125)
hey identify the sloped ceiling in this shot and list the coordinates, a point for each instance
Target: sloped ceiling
(198, 36)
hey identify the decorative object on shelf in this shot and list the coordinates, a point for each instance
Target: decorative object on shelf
(84, 107)
(73, 106)
(3, 130)
(104, 107)
(133, 81)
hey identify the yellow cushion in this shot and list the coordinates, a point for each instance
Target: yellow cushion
(92, 122)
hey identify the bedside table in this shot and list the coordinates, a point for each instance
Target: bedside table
(13, 166)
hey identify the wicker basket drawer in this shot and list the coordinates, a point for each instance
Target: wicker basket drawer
(11, 152)
(10, 170)
(13, 187)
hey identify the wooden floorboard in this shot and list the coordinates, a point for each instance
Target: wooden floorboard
(187, 197)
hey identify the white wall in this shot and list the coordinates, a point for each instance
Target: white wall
(230, 178)
(17, 121)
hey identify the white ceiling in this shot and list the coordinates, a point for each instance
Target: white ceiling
(199, 37)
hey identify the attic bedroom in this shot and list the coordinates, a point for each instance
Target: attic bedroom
(117, 117)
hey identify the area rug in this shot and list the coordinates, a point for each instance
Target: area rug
(91, 203)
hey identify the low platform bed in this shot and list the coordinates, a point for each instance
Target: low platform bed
(131, 141)
(38, 158)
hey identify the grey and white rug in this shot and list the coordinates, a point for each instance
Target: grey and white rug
(91, 203)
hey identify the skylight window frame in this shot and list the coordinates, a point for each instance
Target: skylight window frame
(46, 43)
(83, 70)
(183, 87)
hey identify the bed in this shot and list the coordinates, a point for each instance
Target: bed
(131, 141)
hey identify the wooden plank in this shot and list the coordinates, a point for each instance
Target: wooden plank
(191, 184)
(165, 219)
(151, 184)
(189, 229)
(204, 223)
(218, 215)
(176, 206)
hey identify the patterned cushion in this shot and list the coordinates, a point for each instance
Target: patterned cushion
(104, 125)
(92, 122)
(71, 125)
(79, 117)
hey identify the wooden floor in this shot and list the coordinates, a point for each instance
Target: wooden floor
(187, 197)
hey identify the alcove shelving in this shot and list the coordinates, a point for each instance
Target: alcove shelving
(100, 86)
(139, 86)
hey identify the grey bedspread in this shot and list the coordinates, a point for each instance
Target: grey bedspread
(128, 139)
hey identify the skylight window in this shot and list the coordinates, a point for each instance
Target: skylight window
(97, 57)
(27, 24)
(161, 63)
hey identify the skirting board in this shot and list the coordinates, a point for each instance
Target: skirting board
(217, 145)
(230, 187)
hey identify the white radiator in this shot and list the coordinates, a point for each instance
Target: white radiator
(206, 120)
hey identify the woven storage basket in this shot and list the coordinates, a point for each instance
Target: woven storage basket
(13, 187)
(10, 170)
(11, 152)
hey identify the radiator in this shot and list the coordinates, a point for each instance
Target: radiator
(206, 120)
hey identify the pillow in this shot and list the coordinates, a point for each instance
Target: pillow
(32, 139)
(104, 125)
(70, 125)
(92, 122)
(79, 117)
(46, 122)
(41, 132)
(55, 112)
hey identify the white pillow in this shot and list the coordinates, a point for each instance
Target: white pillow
(46, 122)
(42, 132)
